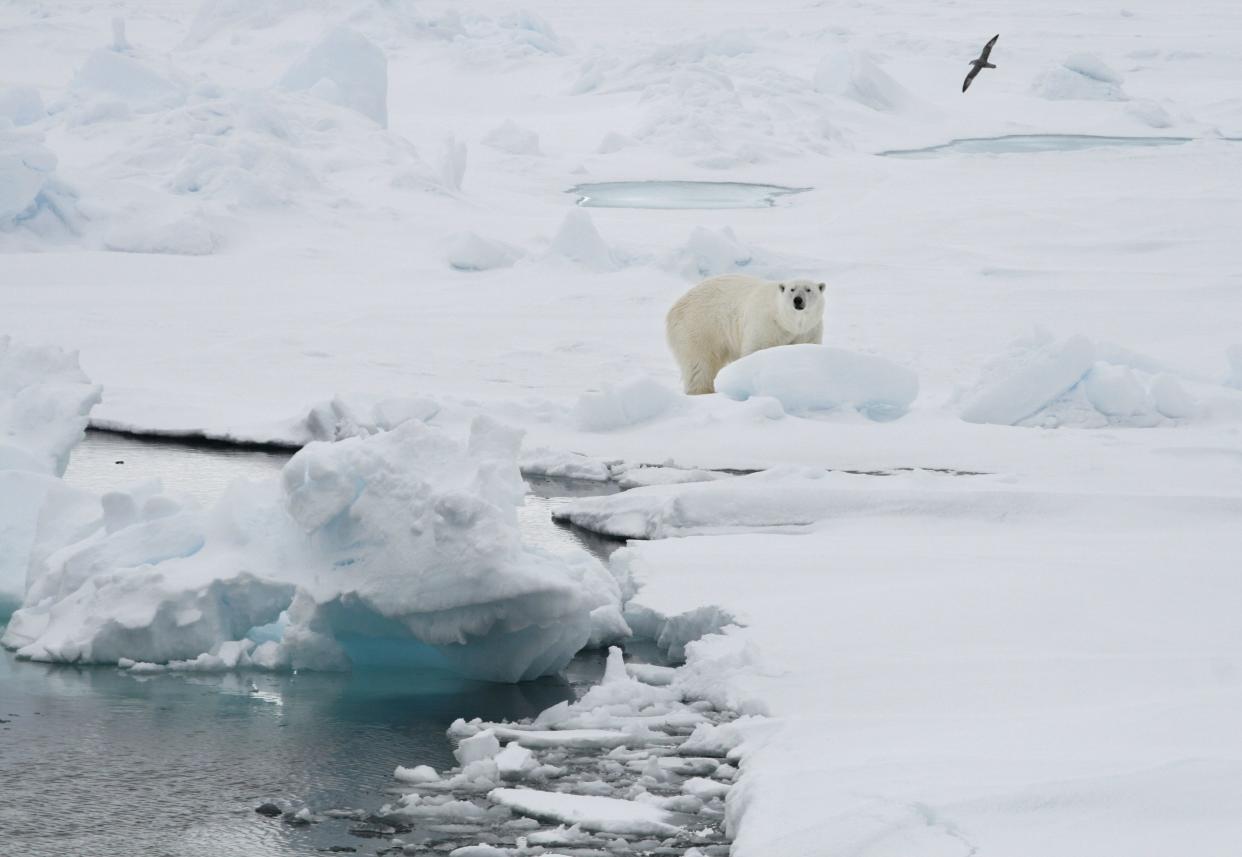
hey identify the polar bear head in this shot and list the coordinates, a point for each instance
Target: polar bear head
(800, 305)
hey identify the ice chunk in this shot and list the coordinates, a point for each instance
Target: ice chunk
(1170, 397)
(515, 760)
(1028, 379)
(484, 745)
(111, 75)
(578, 240)
(1234, 355)
(816, 377)
(416, 775)
(856, 75)
(513, 138)
(1081, 76)
(21, 105)
(402, 547)
(471, 252)
(708, 252)
(1114, 391)
(628, 403)
(45, 401)
(453, 156)
(30, 194)
(589, 812)
(560, 464)
(347, 69)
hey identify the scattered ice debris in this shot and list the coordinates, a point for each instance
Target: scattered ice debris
(471, 252)
(625, 404)
(513, 138)
(1082, 77)
(347, 69)
(806, 378)
(631, 785)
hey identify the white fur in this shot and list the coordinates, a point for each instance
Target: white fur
(727, 317)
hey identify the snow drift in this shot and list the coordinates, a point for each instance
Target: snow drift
(818, 378)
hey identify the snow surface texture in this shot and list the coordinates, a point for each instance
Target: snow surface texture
(398, 548)
(1063, 684)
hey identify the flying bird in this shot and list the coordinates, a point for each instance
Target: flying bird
(982, 62)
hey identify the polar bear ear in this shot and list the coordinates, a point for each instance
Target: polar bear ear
(782, 285)
(821, 287)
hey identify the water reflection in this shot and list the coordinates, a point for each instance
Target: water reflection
(96, 761)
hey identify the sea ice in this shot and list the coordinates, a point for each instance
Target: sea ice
(625, 404)
(817, 377)
(400, 547)
(347, 69)
(588, 812)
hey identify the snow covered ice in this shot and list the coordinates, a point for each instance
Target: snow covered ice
(401, 548)
(969, 567)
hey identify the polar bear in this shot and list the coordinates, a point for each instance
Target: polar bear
(727, 317)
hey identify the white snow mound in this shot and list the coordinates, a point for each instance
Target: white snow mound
(1080, 77)
(394, 549)
(818, 378)
(347, 69)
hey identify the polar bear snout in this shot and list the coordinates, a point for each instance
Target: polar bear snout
(799, 302)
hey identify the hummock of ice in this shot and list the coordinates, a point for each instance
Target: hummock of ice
(1048, 383)
(21, 105)
(512, 138)
(471, 252)
(45, 401)
(396, 549)
(807, 378)
(30, 194)
(856, 75)
(628, 403)
(123, 80)
(347, 69)
(1082, 77)
(579, 240)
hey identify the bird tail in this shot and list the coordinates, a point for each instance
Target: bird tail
(989, 65)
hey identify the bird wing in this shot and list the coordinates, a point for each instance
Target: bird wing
(987, 49)
(970, 75)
